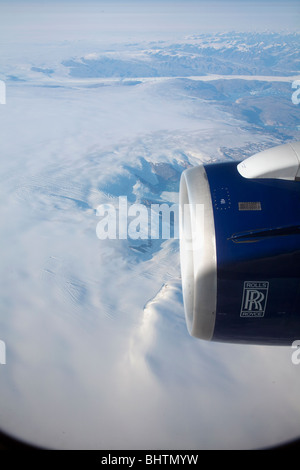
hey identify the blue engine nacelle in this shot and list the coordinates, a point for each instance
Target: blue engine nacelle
(240, 248)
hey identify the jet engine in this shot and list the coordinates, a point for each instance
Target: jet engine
(240, 248)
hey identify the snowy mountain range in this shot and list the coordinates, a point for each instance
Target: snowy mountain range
(224, 53)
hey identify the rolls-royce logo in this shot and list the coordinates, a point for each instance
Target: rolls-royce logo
(255, 295)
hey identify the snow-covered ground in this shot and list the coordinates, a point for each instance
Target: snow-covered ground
(98, 355)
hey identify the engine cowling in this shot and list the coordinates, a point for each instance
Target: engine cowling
(240, 248)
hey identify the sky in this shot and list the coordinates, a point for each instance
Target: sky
(124, 20)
